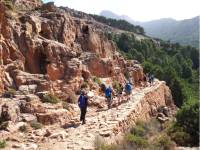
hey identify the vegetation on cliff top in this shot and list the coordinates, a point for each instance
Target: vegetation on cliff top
(144, 135)
(120, 24)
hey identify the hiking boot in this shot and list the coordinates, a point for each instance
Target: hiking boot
(83, 123)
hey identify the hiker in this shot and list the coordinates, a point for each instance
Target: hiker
(121, 89)
(103, 87)
(148, 77)
(151, 79)
(128, 88)
(145, 80)
(119, 93)
(82, 103)
(108, 95)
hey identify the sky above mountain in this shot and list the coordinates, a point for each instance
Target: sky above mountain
(140, 10)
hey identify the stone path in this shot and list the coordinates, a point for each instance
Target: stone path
(103, 123)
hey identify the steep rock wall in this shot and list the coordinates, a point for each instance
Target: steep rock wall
(57, 46)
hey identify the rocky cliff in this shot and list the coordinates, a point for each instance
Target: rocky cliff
(48, 44)
(47, 54)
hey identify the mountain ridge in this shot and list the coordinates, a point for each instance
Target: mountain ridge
(166, 28)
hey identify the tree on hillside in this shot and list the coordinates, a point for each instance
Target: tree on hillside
(188, 118)
(178, 92)
(187, 71)
(194, 54)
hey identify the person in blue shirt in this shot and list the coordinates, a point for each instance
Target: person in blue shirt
(108, 95)
(128, 88)
(151, 79)
(83, 103)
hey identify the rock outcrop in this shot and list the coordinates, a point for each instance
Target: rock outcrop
(49, 45)
(27, 4)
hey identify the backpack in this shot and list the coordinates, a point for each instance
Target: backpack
(82, 101)
(128, 87)
(108, 92)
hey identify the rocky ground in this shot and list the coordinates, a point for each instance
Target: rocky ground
(109, 124)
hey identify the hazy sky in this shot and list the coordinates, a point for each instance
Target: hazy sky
(139, 10)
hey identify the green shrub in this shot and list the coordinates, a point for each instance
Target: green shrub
(136, 140)
(10, 92)
(164, 142)
(117, 86)
(180, 137)
(2, 144)
(72, 98)
(100, 144)
(138, 131)
(36, 125)
(185, 131)
(109, 147)
(188, 118)
(97, 80)
(65, 105)
(23, 128)
(9, 4)
(50, 98)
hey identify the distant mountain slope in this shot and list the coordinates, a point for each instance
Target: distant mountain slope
(185, 32)
(110, 14)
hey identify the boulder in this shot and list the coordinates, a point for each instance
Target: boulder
(41, 132)
(32, 107)
(49, 7)
(29, 146)
(58, 116)
(9, 110)
(28, 117)
(59, 135)
(12, 127)
(162, 118)
(27, 88)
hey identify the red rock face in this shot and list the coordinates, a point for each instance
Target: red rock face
(101, 67)
(51, 45)
(28, 4)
